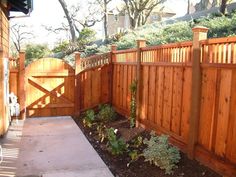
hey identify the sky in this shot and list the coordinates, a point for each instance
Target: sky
(50, 13)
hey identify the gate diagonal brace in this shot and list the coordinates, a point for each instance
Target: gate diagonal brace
(49, 90)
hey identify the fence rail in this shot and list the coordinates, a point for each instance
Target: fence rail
(219, 50)
(94, 61)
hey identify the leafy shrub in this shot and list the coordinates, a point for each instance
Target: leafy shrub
(89, 118)
(35, 51)
(106, 113)
(115, 145)
(219, 26)
(160, 153)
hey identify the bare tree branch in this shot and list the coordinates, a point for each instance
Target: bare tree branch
(140, 10)
(19, 34)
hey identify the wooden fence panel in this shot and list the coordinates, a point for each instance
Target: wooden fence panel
(231, 139)
(13, 82)
(123, 76)
(94, 86)
(165, 99)
(216, 108)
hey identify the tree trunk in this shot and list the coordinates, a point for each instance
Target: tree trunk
(105, 19)
(223, 6)
(70, 22)
(188, 8)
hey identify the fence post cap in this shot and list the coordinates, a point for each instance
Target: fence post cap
(200, 29)
(77, 53)
(141, 40)
(141, 43)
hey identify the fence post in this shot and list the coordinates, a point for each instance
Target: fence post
(77, 83)
(112, 59)
(21, 83)
(199, 33)
(140, 43)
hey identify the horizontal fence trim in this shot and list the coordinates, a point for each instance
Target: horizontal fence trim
(52, 74)
(14, 70)
(166, 64)
(218, 65)
(125, 63)
(93, 68)
(218, 40)
(159, 128)
(172, 45)
(216, 163)
(61, 105)
(124, 51)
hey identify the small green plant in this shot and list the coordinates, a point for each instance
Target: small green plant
(137, 142)
(160, 153)
(134, 155)
(115, 145)
(133, 90)
(89, 118)
(134, 152)
(106, 113)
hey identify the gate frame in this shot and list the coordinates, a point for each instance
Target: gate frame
(23, 79)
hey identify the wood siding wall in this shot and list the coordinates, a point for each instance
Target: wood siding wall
(4, 47)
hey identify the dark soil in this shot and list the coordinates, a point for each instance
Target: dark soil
(139, 168)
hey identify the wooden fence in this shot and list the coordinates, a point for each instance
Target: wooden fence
(185, 90)
(93, 78)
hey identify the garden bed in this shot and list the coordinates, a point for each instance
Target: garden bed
(120, 164)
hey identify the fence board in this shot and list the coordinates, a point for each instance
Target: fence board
(187, 81)
(125, 87)
(177, 100)
(144, 90)
(208, 98)
(159, 95)
(223, 112)
(151, 95)
(167, 103)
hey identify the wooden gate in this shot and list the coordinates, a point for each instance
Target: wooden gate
(50, 85)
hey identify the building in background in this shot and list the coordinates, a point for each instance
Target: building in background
(118, 20)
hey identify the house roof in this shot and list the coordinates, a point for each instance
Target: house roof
(163, 10)
(24, 6)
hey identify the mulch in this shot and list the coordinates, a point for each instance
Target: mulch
(139, 168)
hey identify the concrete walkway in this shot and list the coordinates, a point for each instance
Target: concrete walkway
(49, 147)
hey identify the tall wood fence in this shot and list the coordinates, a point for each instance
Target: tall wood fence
(185, 90)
